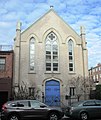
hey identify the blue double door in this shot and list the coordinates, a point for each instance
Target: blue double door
(52, 93)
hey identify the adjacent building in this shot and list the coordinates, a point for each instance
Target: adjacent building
(95, 81)
(6, 73)
(95, 74)
(47, 55)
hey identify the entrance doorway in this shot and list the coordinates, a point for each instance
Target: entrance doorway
(52, 93)
(3, 98)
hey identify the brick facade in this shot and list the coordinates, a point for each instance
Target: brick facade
(6, 74)
(95, 74)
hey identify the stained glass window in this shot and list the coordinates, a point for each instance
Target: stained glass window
(51, 52)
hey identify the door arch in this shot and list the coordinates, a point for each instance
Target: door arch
(52, 93)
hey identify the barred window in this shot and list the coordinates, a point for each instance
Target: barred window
(31, 91)
(72, 91)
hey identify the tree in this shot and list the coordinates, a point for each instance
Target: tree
(23, 92)
(81, 86)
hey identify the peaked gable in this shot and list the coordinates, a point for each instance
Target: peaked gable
(51, 13)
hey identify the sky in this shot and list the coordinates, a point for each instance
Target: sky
(76, 13)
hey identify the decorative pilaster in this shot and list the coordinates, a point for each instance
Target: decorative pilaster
(18, 33)
(17, 52)
(84, 52)
(82, 30)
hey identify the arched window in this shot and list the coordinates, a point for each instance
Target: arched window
(71, 55)
(32, 54)
(51, 52)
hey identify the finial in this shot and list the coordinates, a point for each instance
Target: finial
(51, 7)
(82, 29)
(18, 25)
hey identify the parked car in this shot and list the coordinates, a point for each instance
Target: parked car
(85, 110)
(20, 109)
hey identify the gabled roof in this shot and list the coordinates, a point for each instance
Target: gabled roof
(51, 10)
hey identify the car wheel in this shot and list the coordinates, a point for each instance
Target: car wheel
(53, 116)
(13, 117)
(84, 116)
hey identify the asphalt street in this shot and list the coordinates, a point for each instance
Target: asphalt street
(64, 118)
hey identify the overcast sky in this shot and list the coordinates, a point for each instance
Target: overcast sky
(73, 12)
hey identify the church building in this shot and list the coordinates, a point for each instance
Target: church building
(47, 55)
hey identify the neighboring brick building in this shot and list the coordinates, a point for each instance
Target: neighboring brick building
(95, 74)
(6, 73)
